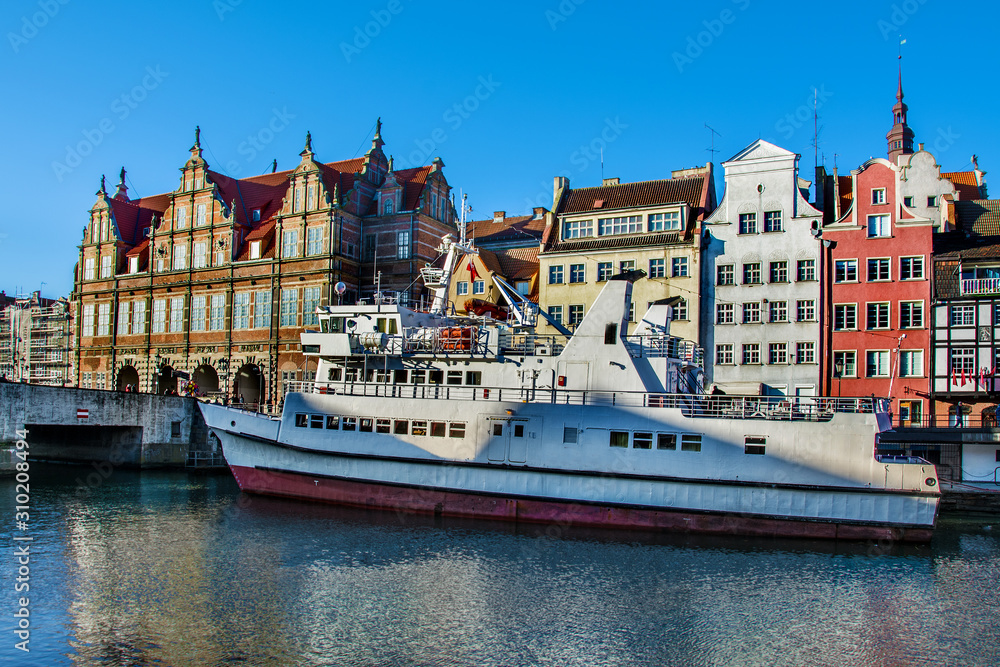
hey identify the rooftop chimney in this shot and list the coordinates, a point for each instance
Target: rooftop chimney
(612, 181)
(498, 216)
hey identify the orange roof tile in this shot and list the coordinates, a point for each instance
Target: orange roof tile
(965, 183)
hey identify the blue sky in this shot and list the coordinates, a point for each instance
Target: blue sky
(509, 94)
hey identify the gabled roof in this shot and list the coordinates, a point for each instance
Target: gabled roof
(525, 228)
(980, 217)
(519, 263)
(966, 184)
(264, 192)
(629, 195)
(133, 216)
(265, 234)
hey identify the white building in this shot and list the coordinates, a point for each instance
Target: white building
(761, 278)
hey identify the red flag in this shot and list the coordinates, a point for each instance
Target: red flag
(472, 269)
(963, 374)
(982, 377)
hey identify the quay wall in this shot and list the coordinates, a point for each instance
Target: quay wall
(83, 425)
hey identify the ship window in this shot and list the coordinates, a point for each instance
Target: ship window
(666, 441)
(401, 427)
(497, 428)
(349, 423)
(399, 377)
(366, 424)
(337, 325)
(570, 435)
(301, 420)
(332, 422)
(351, 375)
(642, 441)
(418, 377)
(753, 449)
(418, 427)
(473, 377)
(518, 430)
(324, 325)
(335, 374)
(690, 443)
(438, 429)
(454, 377)
(457, 430)
(436, 377)
(619, 438)
(316, 421)
(383, 426)
(610, 333)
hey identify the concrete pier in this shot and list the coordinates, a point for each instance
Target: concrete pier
(85, 425)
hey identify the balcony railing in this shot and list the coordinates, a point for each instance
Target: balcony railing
(981, 286)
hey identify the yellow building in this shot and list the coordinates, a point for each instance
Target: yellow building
(598, 232)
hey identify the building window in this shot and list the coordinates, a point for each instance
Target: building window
(878, 269)
(962, 315)
(389, 207)
(878, 195)
(139, 318)
(911, 363)
(85, 382)
(576, 273)
(679, 267)
(123, 322)
(748, 223)
(290, 243)
(664, 222)
(805, 353)
(751, 312)
(556, 313)
(806, 269)
(724, 313)
(805, 310)
(262, 309)
(625, 225)
(200, 260)
(725, 275)
(201, 219)
(626, 265)
(462, 287)
(479, 287)
(106, 268)
(911, 268)
(932, 201)
(777, 353)
(198, 312)
(103, 319)
(217, 315)
(220, 253)
(576, 229)
(751, 273)
(310, 302)
(847, 363)
(180, 258)
(176, 314)
(657, 268)
(877, 363)
(772, 221)
(845, 317)
(182, 217)
(314, 240)
(681, 310)
(556, 274)
(311, 198)
(575, 315)
(878, 226)
(133, 265)
(604, 271)
(159, 315)
(778, 311)
(911, 315)
(403, 245)
(631, 311)
(241, 310)
(298, 199)
(963, 361)
(845, 271)
(908, 201)
(88, 268)
(724, 354)
(779, 272)
(877, 316)
(751, 353)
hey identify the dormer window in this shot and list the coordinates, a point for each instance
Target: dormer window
(133, 265)
(388, 208)
(255, 250)
(256, 215)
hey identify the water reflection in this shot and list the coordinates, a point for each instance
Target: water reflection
(176, 570)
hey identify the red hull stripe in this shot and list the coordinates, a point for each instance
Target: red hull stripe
(470, 505)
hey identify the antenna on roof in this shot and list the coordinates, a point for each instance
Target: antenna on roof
(602, 164)
(815, 128)
(274, 165)
(712, 151)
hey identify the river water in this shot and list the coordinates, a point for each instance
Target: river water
(176, 569)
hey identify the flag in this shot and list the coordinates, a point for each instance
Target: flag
(982, 377)
(472, 269)
(963, 375)
(902, 41)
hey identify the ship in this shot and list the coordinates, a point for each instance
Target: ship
(427, 411)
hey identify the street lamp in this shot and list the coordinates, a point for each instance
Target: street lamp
(838, 372)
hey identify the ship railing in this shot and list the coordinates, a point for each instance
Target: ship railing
(528, 345)
(772, 408)
(664, 346)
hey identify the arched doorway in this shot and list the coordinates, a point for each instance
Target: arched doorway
(127, 375)
(207, 380)
(165, 380)
(248, 384)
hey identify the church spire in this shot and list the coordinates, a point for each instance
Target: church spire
(900, 137)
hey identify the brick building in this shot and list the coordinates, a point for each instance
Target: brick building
(215, 280)
(35, 339)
